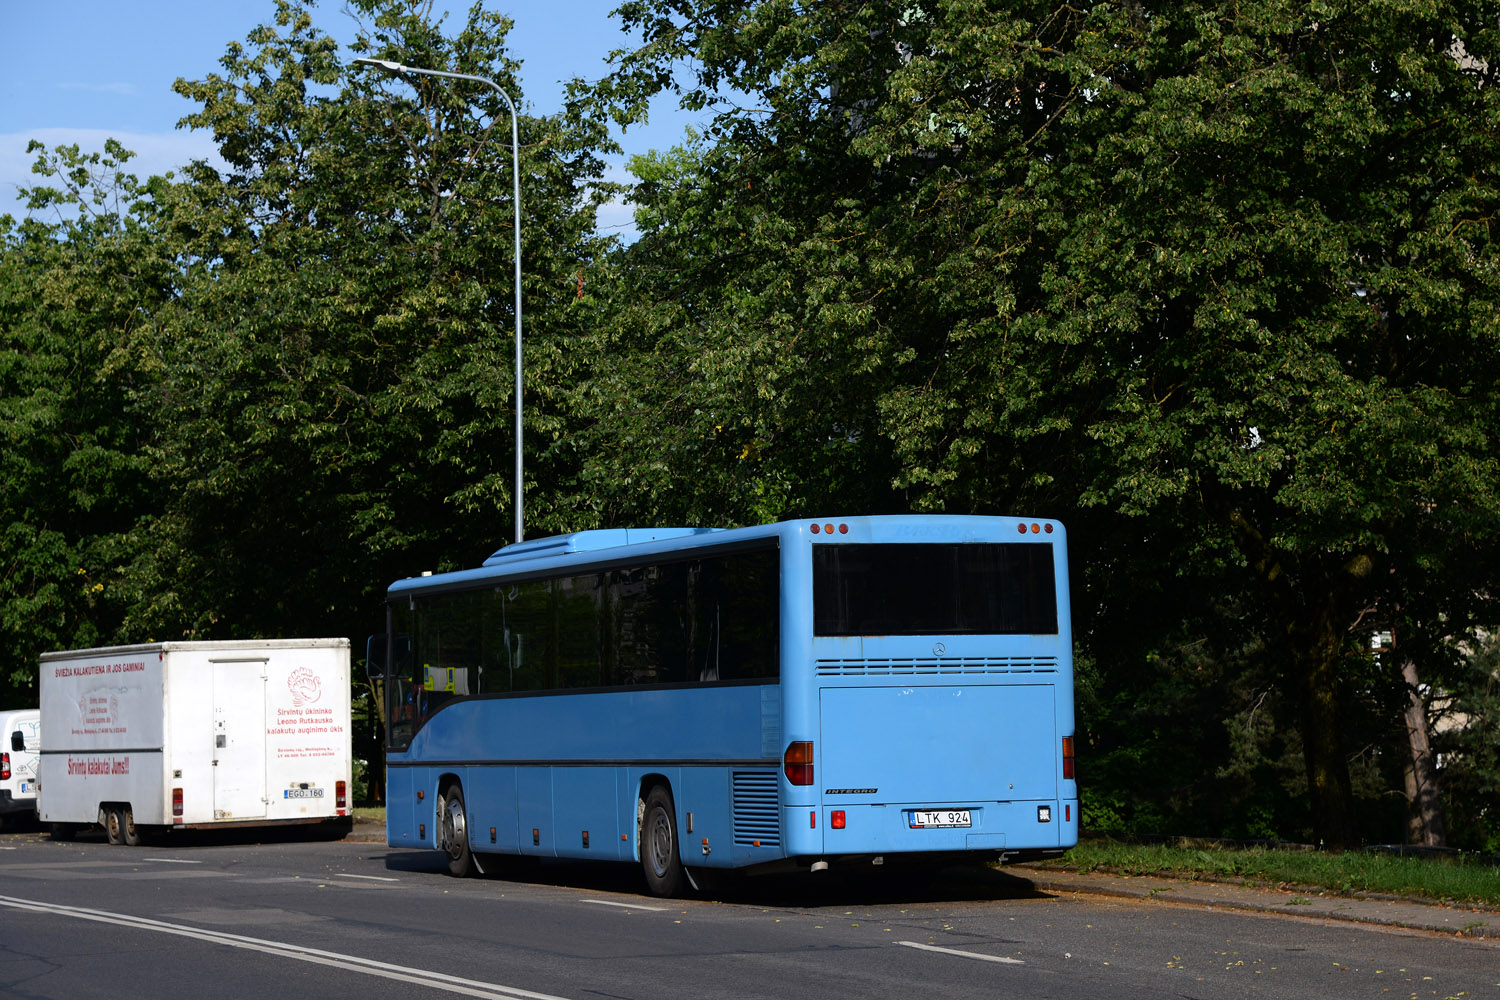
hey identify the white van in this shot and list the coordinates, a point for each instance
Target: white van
(20, 749)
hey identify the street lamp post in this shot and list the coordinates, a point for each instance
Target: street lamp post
(515, 153)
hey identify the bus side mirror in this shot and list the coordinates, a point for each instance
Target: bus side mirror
(17, 741)
(375, 647)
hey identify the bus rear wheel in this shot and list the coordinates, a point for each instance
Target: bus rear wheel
(453, 832)
(660, 859)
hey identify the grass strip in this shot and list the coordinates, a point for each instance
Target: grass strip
(1455, 879)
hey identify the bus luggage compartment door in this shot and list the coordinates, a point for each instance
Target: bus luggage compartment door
(952, 745)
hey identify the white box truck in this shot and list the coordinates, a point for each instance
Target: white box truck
(20, 742)
(192, 735)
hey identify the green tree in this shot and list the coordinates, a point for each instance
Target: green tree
(73, 485)
(333, 382)
(1225, 274)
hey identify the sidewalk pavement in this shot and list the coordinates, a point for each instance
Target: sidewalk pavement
(1391, 911)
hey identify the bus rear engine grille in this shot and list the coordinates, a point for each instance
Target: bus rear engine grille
(935, 667)
(757, 821)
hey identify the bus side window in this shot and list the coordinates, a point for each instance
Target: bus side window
(578, 607)
(529, 655)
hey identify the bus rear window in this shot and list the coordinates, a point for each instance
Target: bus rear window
(1004, 588)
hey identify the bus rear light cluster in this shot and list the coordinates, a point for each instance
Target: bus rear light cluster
(837, 819)
(341, 797)
(798, 762)
(829, 529)
(176, 805)
(4, 765)
(1036, 529)
(1068, 758)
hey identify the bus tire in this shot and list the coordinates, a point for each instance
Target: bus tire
(660, 860)
(130, 836)
(114, 825)
(453, 832)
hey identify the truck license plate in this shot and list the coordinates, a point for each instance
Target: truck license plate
(924, 818)
(303, 793)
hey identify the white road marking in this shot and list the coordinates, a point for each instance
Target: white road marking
(962, 954)
(373, 878)
(627, 906)
(351, 963)
(172, 861)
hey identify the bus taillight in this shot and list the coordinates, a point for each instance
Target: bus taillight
(799, 763)
(176, 805)
(341, 797)
(4, 765)
(1067, 758)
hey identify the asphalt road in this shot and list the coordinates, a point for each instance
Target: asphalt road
(224, 918)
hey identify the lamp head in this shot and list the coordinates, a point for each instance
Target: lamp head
(386, 64)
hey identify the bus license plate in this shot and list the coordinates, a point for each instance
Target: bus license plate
(304, 793)
(922, 818)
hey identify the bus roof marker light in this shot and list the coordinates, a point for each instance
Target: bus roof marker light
(1021, 528)
(1036, 529)
(828, 528)
(816, 528)
(843, 529)
(1047, 528)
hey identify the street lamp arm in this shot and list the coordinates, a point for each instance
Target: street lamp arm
(400, 69)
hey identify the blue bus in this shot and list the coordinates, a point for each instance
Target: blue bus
(800, 695)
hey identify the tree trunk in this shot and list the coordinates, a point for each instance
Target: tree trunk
(1315, 616)
(1423, 799)
(1328, 785)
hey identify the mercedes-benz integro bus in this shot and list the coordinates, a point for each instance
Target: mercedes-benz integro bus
(812, 693)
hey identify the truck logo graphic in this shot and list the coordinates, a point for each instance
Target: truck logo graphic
(305, 687)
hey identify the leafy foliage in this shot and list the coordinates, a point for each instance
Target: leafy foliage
(1223, 273)
(75, 486)
(1216, 284)
(335, 379)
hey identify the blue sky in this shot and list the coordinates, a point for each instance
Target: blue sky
(85, 70)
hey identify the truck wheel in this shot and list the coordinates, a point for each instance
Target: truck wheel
(453, 832)
(129, 835)
(659, 856)
(114, 826)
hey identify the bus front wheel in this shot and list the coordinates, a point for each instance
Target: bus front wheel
(659, 856)
(453, 832)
